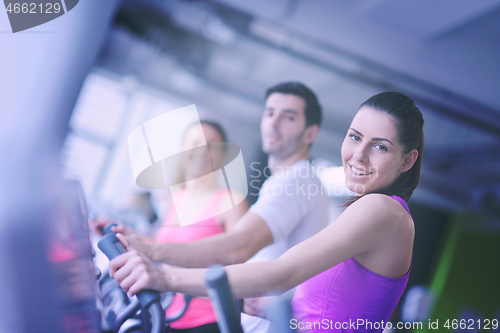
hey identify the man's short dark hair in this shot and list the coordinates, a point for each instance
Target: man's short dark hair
(312, 111)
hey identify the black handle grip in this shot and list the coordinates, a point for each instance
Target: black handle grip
(107, 228)
(280, 313)
(112, 248)
(222, 298)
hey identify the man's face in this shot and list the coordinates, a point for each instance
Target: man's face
(283, 125)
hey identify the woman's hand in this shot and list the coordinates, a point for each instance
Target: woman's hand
(120, 228)
(99, 223)
(134, 271)
(256, 306)
(138, 242)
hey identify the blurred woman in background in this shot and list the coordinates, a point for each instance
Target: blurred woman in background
(206, 210)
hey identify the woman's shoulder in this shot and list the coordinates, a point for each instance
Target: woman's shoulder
(376, 199)
(380, 208)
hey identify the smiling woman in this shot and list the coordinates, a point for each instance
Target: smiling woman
(365, 152)
(385, 134)
(357, 268)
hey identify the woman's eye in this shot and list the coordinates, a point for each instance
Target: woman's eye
(355, 137)
(381, 147)
(290, 118)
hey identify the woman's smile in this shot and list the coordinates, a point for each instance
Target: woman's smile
(359, 172)
(372, 154)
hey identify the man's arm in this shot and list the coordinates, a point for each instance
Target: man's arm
(248, 236)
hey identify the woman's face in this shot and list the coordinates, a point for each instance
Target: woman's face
(196, 161)
(372, 155)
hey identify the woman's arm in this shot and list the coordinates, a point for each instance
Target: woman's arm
(363, 228)
(229, 218)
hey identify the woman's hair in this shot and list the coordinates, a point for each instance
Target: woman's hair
(217, 127)
(179, 177)
(409, 123)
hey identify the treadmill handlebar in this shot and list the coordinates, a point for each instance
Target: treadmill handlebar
(222, 298)
(149, 299)
(107, 228)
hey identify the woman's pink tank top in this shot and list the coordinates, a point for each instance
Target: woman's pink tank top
(200, 310)
(348, 298)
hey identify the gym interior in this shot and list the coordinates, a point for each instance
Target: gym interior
(73, 89)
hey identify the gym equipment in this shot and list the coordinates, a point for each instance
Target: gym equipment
(148, 300)
(220, 293)
(280, 313)
(107, 228)
(165, 299)
(227, 309)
